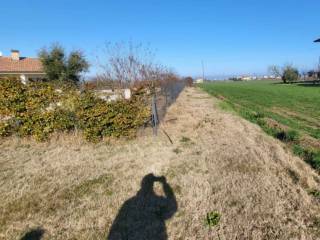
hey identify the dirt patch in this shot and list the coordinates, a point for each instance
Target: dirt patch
(307, 141)
(221, 97)
(216, 163)
(273, 124)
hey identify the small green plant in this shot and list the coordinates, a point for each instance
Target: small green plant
(177, 151)
(5, 129)
(298, 150)
(212, 219)
(227, 106)
(310, 156)
(292, 136)
(316, 224)
(249, 115)
(185, 140)
(293, 175)
(315, 193)
(258, 115)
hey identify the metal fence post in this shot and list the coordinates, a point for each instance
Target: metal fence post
(155, 120)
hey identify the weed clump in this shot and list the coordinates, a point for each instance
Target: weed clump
(293, 175)
(310, 156)
(212, 219)
(315, 193)
(177, 151)
(185, 140)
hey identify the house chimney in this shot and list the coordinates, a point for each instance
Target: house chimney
(15, 55)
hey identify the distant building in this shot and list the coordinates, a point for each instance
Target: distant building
(271, 77)
(200, 80)
(246, 78)
(27, 69)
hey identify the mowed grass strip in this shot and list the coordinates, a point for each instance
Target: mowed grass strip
(289, 112)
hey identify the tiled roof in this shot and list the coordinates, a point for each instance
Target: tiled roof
(24, 65)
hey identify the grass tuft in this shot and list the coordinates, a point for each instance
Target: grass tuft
(310, 156)
(315, 193)
(212, 219)
(185, 140)
(177, 151)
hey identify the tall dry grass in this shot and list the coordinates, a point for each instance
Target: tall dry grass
(218, 162)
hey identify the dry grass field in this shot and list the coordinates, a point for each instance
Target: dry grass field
(218, 162)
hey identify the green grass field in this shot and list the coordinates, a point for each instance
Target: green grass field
(288, 111)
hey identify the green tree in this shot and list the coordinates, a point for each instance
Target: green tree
(290, 74)
(61, 67)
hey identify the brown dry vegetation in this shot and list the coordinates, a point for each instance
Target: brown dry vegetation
(217, 162)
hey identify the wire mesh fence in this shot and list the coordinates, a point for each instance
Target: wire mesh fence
(165, 95)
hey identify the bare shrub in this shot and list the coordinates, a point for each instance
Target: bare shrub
(130, 65)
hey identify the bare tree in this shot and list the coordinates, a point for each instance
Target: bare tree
(304, 73)
(275, 70)
(126, 64)
(288, 73)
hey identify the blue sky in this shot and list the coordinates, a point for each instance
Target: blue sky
(231, 37)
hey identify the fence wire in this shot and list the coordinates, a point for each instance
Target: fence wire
(165, 95)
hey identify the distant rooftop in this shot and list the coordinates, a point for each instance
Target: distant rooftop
(17, 64)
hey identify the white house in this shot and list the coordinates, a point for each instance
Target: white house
(246, 78)
(27, 69)
(200, 80)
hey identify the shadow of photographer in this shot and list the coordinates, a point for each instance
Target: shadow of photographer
(33, 234)
(143, 216)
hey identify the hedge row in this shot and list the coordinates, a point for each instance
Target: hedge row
(39, 109)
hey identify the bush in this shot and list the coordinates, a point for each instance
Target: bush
(38, 110)
(12, 96)
(40, 125)
(40, 96)
(99, 119)
(5, 129)
(290, 74)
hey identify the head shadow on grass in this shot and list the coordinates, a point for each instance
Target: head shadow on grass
(33, 234)
(143, 216)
